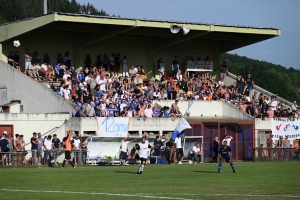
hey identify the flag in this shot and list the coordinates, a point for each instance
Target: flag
(182, 125)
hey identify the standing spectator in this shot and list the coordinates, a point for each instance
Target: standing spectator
(215, 149)
(112, 64)
(39, 148)
(157, 146)
(125, 67)
(117, 64)
(98, 61)
(178, 145)
(228, 139)
(274, 105)
(48, 149)
(4, 150)
(250, 82)
(197, 153)
(270, 144)
(92, 81)
(28, 58)
(55, 147)
(84, 150)
(88, 61)
(169, 150)
(175, 67)
(160, 67)
(34, 145)
(24, 152)
(105, 62)
(17, 60)
(124, 149)
(148, 112)
(67, 60)
(76, 146)
(224, 70)
(59, 58)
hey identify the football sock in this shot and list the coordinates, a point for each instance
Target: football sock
(232, 166)
(142, 167)
(71, 163)
(64, 163)
(219, 167)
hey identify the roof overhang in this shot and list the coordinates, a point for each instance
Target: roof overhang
(103, 27)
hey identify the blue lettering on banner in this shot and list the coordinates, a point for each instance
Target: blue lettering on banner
(112, 126)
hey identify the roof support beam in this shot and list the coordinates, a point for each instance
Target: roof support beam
(104, 36)
(180, 40)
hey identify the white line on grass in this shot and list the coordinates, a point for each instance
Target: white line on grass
(96, 193)
(245, 195)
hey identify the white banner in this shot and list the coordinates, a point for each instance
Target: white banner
(200, 65)
(113, 126)
(183, 124)
(286, 127)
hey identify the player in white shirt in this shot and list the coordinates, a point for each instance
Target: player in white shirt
(143, 147)
(76, 146)
(228, 139)
(179, 150)
(124, 150)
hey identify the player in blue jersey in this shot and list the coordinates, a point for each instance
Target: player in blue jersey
(224, 156)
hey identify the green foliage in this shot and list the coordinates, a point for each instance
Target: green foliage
(274, 78)
(12, 10)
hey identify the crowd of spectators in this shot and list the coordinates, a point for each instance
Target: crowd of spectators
(44, 149)
(109, 87)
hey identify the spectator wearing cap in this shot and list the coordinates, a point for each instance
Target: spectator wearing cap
(55, 147)
(34, 146)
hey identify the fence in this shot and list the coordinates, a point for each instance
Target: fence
(276, 154)
(35, 157)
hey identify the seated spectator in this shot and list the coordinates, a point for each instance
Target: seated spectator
(250, 109)
(197, 153)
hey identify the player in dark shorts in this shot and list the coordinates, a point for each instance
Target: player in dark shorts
(67, 146)
(224, 156)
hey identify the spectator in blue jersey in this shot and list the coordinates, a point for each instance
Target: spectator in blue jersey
(81, 76)
(224, 156)
(175, 67)
(111, 110)
(156, 112)
(157, 146)
(57, 68)
(98, 111)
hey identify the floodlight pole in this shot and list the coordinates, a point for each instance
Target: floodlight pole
(45, 7)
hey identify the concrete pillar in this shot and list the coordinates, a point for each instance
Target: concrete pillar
(1, 52)
(149, 65)
(77, 61)
(217, 59)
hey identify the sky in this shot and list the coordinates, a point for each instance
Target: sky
(283, 14)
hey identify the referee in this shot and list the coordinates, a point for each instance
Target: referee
(67, 145)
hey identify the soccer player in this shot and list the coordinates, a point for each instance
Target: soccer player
(224, 155)
(67, 145)
(124, 150)
(143, 147)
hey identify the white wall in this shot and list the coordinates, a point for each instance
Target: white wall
(26, 124)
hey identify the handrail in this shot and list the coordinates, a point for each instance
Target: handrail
(260, 89)
(44, 134)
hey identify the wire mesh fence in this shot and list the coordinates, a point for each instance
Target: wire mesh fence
(276, 154)
(41, 157)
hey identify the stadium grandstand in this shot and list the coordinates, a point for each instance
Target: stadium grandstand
(72, 70)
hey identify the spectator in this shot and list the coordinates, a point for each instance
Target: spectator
(48, 150)
(67, 60)
(250, 109)
(294, 106)
(76, 147)
(4, 150)
(88, 61)
(197, 153)
(28, 59)
(160, 67)
(98, 62)
(55, 147)
(250, 82)
(105, 62)
(112, 64)
(175, 67)
(39, 148)
(224, 70)
(16, 59)
(125, 67)
(34, 146)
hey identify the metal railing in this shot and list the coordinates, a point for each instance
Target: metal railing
(260, 89)
(51, 130)
(41, 157)
(268, 154)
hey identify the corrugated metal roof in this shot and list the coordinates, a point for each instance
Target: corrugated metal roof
(144, 19)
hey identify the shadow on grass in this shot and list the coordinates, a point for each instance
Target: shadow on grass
(207, 172)
(125, 172)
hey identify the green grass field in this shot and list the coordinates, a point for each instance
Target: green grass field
(278, 180)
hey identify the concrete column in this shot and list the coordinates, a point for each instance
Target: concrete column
(1, 52)
(149, 65)
(217, 59)
(76, 52)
